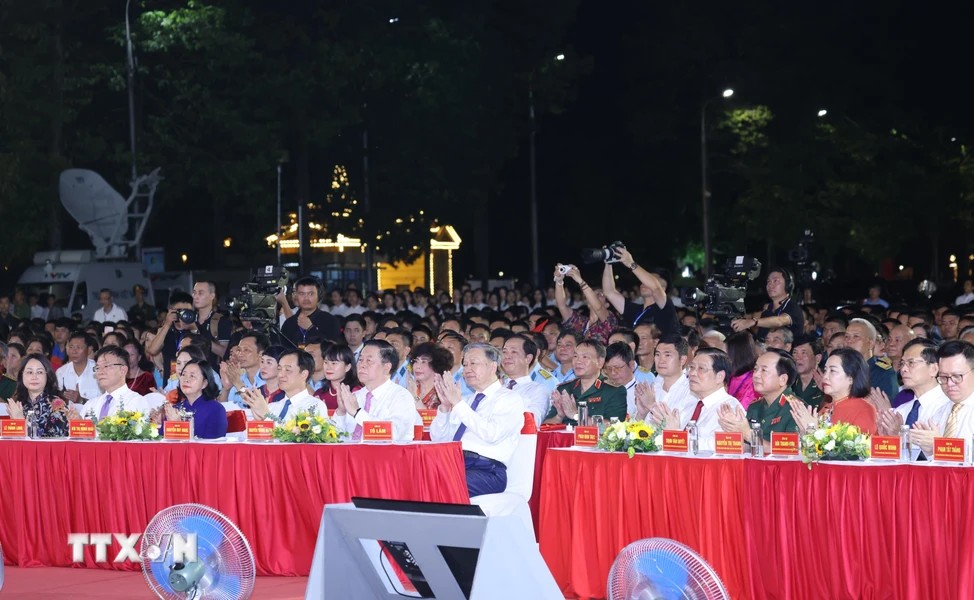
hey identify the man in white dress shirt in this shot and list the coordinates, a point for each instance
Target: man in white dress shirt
(487, 424)
(109, 311)
(379, 399)
(294, 369)
(918, 367)
(671, 386)
(76, 378)
(518, 358)
(708, 373)
(955, 419)
(111, 369)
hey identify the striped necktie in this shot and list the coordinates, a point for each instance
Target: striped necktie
(952, 421)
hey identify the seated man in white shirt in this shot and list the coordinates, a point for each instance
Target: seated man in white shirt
(487, 424)
(77, 376)
(709, 371)
(379, 399)
(671, 387)
(111, 369)
(955, 419)
(918, 368)
(518, 358)
(294, 369)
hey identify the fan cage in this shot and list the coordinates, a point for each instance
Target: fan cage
(626, 582)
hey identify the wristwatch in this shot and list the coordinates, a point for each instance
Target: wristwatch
(634, 265)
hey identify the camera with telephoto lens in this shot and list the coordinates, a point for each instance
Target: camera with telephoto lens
(257, 301)
(186, 315)
(723, 295)
(606, 254)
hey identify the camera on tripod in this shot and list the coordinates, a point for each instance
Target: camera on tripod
(723, 295)
(257, 301)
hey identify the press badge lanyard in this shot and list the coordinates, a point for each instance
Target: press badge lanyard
(636, 320)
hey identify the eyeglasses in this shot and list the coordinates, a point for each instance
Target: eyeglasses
(954, 378)
(912, 363)
(103, 367)
(614, 368)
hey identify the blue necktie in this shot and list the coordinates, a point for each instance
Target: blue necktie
(287, 405)
(914, 414)
(463, 428)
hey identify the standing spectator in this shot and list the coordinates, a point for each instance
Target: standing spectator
(21, 310)
(211, 325)
(6, 318)
(310, 324)
(968, 295)
(873, 298)
(656, 306)
(37, 309)
(141, 311)
(600, 321)
(109, 311)
(779, 312)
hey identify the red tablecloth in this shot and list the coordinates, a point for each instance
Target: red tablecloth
(546, 439)
(273, 492)
(771, 529)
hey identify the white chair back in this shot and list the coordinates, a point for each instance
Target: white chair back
(520, 473)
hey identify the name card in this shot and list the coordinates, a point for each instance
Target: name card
(176, 430)
(785, 444)
(13, 428)
(428, 414)
(260, 431)
(948, 449)
(586, 436)
(728, 442)
(81, 429)
(676, 440)
(377, 431)
(885, 446)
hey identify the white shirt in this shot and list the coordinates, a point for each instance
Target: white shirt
(358, 351)
(300, 402)
(679, 397)
(707, 424)
(631, 398)
(536, 397)
(86, 383)
(965, 420)
(964, 299)
(114, 315)
(38, 312)
(121, 396)
(930, 403)
(390, 402)
(493, 431)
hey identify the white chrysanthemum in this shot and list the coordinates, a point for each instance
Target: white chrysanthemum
(316, 429)
(830, 446)
(153, 432)
(819, 434)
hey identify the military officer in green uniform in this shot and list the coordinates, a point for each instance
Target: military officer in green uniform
(590, 386)
(807, 352)
(774, 373)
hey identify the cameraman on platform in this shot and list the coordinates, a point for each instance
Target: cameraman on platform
(179, 321)
(656, 308)
(781, 311)
(309, 324)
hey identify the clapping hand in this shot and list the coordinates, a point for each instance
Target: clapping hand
(256, 401)
(669, 418)
(347, 402)
(171, 413)
(879, 399)
(447, 391)
(16, 409)
(155, 416)
(890, 421)
(645, 399)
(803, 416)
(733, 418)
(818, 376)
(72, 413)
(72, 395)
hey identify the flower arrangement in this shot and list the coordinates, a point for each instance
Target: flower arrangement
(308, 427)
(839, 441)
(125, 425)
(631, 437)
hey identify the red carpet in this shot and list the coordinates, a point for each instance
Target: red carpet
(83, 584)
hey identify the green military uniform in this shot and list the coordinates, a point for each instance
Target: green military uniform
(773, 417)
(602, 397)
(811, 395)
(883, 375)
(8, 385)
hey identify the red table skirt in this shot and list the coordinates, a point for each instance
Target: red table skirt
(273, 492)
(771, 529)
(546, 440)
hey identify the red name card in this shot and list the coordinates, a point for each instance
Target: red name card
(260, 431)
(81, 429)
(885, 446)
(428, 414)
(676, 440)
(784, 443)
(728, 442)
(948, 449)
(586, 436)
(14, 428)
(377, 431)
(175, 430)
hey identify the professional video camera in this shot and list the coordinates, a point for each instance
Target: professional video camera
(606, 254)
(806, 269)
(257, 301)
(723, 295)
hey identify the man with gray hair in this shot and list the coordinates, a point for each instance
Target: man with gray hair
(487, 423)
(861, 336)
(781, 338)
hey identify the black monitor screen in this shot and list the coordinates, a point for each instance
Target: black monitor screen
(437, 508)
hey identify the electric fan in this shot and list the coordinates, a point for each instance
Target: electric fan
(662, 569)
(224, 567)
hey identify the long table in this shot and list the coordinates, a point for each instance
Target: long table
(770, 528)
(273, 492)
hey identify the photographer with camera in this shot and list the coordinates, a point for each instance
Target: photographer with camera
(657, 308)
(179, 321)
(781, 311)
(310, 324)
(600, 323)
(211, 325)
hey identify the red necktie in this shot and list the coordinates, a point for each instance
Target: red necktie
(696, 411)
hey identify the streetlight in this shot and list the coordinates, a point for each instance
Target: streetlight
(705, 192)
(822, 112)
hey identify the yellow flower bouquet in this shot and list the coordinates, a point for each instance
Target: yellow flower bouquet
(126, 425)
(309, 428)
(631, 437)
(839, 441)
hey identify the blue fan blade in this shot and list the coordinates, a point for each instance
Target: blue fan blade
(666, 570)
(160, 572)
(208, 531)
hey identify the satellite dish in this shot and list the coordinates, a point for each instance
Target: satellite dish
(927, 288)
(224, 569)
(114, 224)
(662, 569)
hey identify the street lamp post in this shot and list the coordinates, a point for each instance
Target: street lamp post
(705, 191)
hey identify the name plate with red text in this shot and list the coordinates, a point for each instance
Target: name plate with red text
(377, 431)
(428, 414)
(948, 449)
(260, 431)
(885, 447)
(13, 428)
(676, 440)
(784, 444)
(81, 429)
(586, 436)
(176, 431)
(729, 442)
